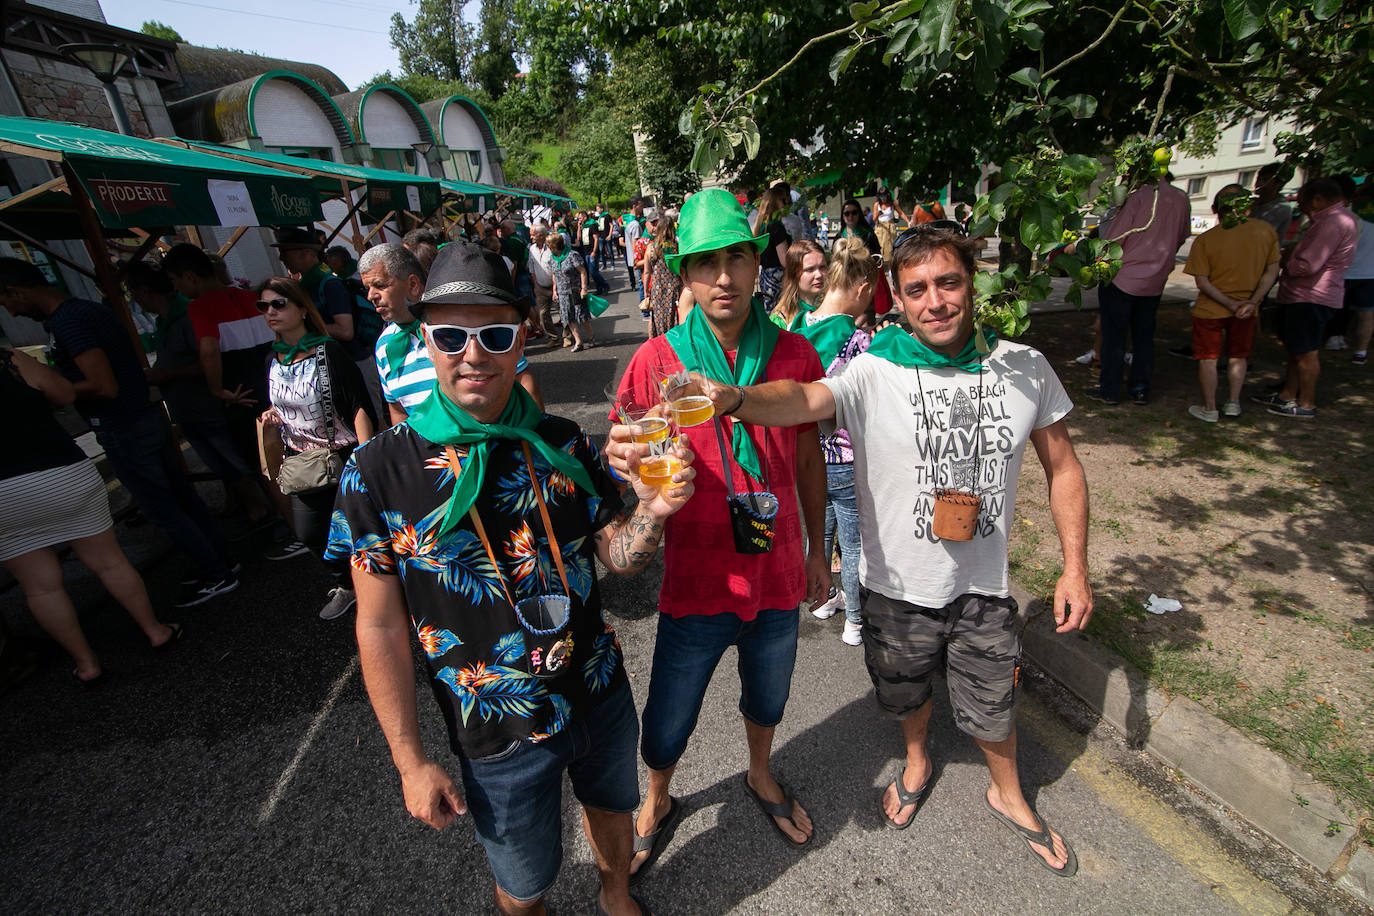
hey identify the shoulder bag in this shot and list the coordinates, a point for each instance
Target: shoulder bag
(315, 468)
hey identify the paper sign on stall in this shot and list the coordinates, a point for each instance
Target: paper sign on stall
(412, 198)
(232, 203)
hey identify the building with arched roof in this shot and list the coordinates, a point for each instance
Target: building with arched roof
(394, 132)
(281, 110)
(465, 132)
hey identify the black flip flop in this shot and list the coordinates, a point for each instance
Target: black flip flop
(170, 644)
(904, 798)
(784, 809)
(657, 841)
(1041, 837)
(643, 907)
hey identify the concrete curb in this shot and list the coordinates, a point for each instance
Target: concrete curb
(1254, 782)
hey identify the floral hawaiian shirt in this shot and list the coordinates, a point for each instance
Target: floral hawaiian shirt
(482, 660)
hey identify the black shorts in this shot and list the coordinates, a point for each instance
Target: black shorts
(1304, 326)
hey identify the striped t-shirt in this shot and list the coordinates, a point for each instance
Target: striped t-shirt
(412, 382)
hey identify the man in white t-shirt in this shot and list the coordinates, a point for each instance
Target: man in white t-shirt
(927, 413)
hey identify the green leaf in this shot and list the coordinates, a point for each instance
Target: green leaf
(1029, 8)
(751, 138)
(992, 16)
(1075, 295)
(841, 61)
(1325, 9)
(900, 37)
(1080, 106)
(1033, 36)
(862, 12)
(1066, 265)
(903, 11)
(1027, 76)
(938, 19)
(685, 122)
(1041, 225)
(1243, 17)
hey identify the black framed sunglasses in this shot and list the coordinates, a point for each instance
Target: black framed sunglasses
(851, 212)
(453, 338)
(935, 225)
(278, 304)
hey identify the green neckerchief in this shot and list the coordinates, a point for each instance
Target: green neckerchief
(306, 344)
(398, 345)
(176, 310)
(827, 335)
(560, 258)
(799, 320)
(897, 346)
(440, 420)
(699, 351)
(314, 278)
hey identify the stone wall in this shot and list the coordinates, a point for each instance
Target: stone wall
(60, 91)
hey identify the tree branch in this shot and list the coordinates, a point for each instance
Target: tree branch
(1101, 38)
(1159, 109)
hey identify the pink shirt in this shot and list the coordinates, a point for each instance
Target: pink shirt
(1148, 257)
(702, 573)
(1315, 270)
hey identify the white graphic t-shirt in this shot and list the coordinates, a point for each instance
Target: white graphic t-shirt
(916, 430)
(295, 390)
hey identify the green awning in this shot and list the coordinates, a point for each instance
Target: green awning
(386, 190)
(134, 182)
(476, 198)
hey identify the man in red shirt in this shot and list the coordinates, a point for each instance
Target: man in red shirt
(714, 597)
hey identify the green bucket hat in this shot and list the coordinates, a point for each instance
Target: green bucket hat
(712, 219)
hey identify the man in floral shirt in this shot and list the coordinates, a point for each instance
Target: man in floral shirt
(478, 505)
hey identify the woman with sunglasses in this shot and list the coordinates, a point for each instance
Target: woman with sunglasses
(803, 284)
(304, 363)
(570, 291)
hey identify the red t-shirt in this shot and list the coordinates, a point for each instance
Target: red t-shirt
(231, 316)
(702, 572)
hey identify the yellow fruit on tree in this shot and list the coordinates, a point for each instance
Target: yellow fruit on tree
(1163, 156)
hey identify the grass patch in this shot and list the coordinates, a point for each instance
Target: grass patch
(1292, 720)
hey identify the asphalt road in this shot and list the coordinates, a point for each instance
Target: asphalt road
(244, 772)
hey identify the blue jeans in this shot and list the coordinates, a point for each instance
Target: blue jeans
(516, 797)
(1123, 313)
(143, 457)
(842, 516)
(214, 444)
(599, 284)
(686, 653)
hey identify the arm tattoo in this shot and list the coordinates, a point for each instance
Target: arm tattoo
(634, 542)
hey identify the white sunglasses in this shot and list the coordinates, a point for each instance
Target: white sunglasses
(453, 338)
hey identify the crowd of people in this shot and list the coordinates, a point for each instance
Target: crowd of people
(381, 415)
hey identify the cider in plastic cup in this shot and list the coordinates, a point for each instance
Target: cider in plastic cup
(658, 470)
(655, 429)
(692, 410)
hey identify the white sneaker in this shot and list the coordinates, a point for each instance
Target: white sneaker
(1230, 409)
(826, 609)
(1335, 342)
(853, 633)
(1086, 359)
(340, 600)
(1128, 357)
(1203, 414)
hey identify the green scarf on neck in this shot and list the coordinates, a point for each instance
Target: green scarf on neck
(440, 420)
(827, 335)
(897, 346)
(697, 347)
(176, 310)
(398, 345)
(799, 319)
(304, 345)
(559, 258)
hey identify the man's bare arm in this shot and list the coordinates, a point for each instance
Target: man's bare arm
(1068, 486)
(811, 490)
(781, 403)
(627, 544)
(389, 674)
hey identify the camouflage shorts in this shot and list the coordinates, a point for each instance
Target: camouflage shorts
(975, 638)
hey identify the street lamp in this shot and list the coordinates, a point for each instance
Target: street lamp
(104, 61)
(422, 149)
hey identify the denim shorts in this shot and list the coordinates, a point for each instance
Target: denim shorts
(516, 797)
(686, 653)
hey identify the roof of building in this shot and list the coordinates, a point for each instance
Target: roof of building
(203, 69)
